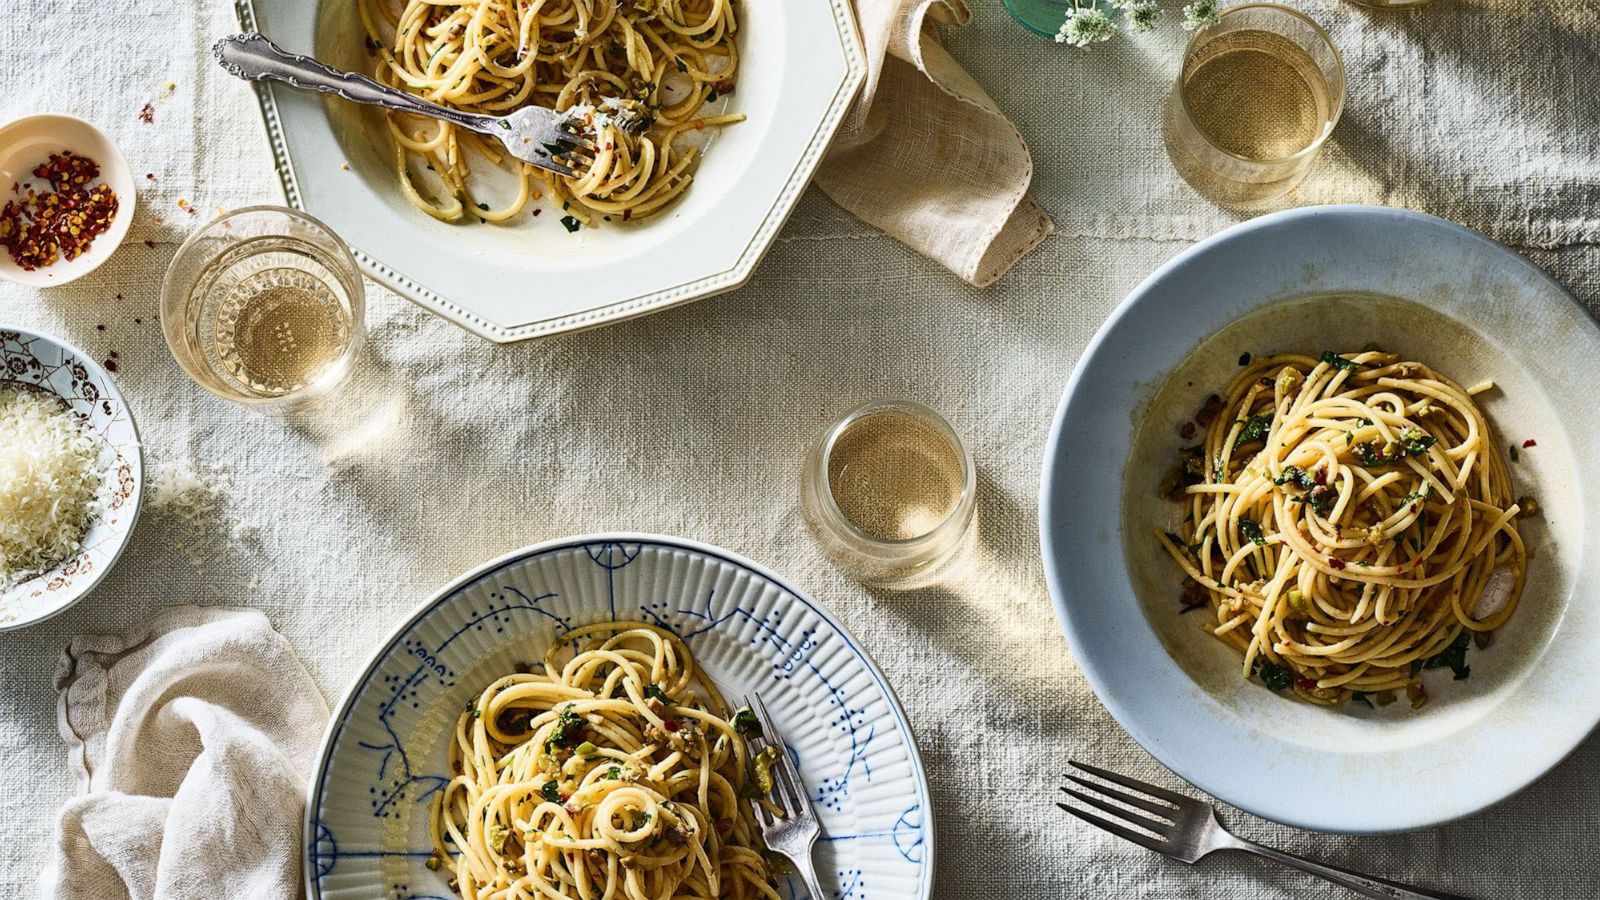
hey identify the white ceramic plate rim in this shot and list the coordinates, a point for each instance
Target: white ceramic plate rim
(344, 709)
(81, 589)
(1265, 785)
(465, 309)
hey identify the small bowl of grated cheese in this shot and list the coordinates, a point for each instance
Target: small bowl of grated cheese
(71, 475)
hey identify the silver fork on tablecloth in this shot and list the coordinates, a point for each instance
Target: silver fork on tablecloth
(1187, 830)
(795, 832)
(532, 134)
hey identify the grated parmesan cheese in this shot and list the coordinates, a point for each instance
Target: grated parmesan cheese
(52, 484)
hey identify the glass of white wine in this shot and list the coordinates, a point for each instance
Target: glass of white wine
(889, 491)
(264, 306)
(1258, 95)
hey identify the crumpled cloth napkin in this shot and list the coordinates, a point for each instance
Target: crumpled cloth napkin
(192, 737)
(926, 156)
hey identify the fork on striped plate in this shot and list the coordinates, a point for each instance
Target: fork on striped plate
(1187, 830)
(795, 832)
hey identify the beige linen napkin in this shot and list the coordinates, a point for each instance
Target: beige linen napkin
(192, 737)
(926, 156)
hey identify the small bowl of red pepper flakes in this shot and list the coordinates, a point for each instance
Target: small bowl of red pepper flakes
(66, 199)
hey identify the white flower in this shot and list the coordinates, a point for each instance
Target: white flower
(1142, 14)
(1199, 14)
(1086, 26)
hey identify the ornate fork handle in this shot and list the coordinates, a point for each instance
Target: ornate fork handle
(1365, 885)
(254, 58)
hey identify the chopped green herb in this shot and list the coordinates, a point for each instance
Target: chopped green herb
(1454, 656)
(712, 97)
(1296, 476)
(1275, 677)
(1255, 428)
(654, 692)
(1514, 453)
(1416, 442)
(1339, 362)
(777, 863)
(568, 730)
(681, 66)
(1251, 529)
(1423, 494)
(615, 772)
(550, 791)
(746, 723)
(571, 223)
(1361, 699)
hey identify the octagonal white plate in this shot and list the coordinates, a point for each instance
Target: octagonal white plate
(800, 66)
(1306, 281)
(384, 755)
(40, 362)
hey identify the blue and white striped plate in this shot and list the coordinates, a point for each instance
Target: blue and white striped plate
(384, 755)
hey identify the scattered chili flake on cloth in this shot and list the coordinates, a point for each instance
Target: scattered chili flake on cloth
(41, 228)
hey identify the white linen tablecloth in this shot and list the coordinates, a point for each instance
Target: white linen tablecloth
(447, 450)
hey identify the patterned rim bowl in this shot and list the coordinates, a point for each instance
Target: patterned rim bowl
(383, 758)
(41, 362)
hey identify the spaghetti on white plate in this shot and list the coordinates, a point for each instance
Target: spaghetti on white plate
(633, 74)
(1349, 522)
(617, 773)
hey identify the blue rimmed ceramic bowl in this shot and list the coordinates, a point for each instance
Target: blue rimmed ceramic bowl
(384, 756)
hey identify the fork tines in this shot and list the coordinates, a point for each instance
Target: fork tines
(1164, 811)
(787, 788)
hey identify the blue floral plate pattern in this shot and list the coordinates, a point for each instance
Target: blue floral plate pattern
(384, 755)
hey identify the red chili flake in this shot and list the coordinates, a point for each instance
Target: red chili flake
(113, 354)
(627, 214)
(111, 365)
(537, 211)
(150, 176)
(1336, 562)
(1530, 442)
(119, 296)
(669, 724)
(99, 328)
(138, 321)
(150, 244)
(40, 228)
(147, 115)
(1305, 684)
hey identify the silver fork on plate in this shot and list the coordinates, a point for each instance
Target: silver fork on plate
(1187, 830)
(532, 134)
(795, 832)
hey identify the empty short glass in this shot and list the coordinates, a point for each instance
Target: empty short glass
(264, 306)
(888, 490)
(1258, 95)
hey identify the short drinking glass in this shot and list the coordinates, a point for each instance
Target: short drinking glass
(889, 491)
(1259, 93)
(264, 306)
